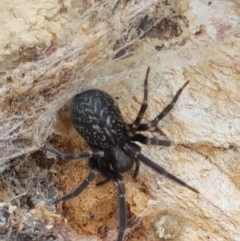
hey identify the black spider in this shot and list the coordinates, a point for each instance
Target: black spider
(97, 118)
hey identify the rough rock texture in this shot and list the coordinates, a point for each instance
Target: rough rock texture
(51, 50)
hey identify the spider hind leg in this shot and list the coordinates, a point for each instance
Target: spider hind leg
(70, 156)
(166, 110)
(134, 126)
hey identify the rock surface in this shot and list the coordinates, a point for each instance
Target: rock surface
(51, 50)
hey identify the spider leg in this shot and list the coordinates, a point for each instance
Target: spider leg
(121, 199)
(166, 110)
(136, 171)
(150, 141)
(69, 156)
(137, 163)
(106, 180)
(103, 182)
(95, 170)
(137, 155)
(80, 188)
(134, 126)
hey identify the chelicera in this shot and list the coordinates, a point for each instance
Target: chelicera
(97, 118)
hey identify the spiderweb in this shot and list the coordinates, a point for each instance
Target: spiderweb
(89, 51)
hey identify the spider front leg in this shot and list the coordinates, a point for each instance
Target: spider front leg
(121, 199)
(80, 188)
(130, 149)
(93, 155)
(166, 110)
(147, 141)
(95, 170)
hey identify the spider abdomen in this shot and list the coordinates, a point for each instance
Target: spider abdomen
(97, 118)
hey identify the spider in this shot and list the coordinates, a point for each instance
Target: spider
(97, 118)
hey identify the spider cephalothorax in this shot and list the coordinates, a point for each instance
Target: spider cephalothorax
(97, 118)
